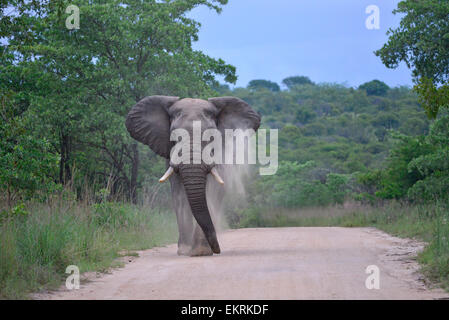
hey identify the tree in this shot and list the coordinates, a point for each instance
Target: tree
(433, 166)
(89, 78)
(432, 97)
(375, 88)
(263, 84)
(222, 89)
(399, 177)
(422, 42)
(26, 165)
(290, 82)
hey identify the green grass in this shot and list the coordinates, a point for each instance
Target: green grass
(36, 248)
(429, 223)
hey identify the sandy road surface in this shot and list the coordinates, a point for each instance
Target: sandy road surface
(273, 263)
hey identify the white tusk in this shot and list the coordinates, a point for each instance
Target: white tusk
(217, 177)
(166, 175)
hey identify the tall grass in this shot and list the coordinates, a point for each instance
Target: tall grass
(429, 223)
(36, 247)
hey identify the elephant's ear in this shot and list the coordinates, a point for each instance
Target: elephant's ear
(148, 122)
(234, 113)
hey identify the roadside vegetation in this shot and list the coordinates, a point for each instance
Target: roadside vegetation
(38, 242)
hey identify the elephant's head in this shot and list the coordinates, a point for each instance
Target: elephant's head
(151, 122)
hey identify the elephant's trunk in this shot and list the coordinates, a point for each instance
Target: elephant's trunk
(194, 178)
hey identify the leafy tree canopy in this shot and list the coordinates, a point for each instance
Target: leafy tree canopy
(422, 42)
(263, 84)
(77, 85)
(290, 82)
(375, 88)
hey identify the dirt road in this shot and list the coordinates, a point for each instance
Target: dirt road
(273, 263)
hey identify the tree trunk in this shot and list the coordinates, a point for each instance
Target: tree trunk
(134, 172)
(9, 197)
(65, 173)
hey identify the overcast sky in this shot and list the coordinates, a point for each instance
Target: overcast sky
(326, 40)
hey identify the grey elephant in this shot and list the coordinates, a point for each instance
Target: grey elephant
(152, 120)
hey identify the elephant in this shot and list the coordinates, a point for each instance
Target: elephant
(152, 120)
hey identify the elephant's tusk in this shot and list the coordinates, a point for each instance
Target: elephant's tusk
(217, 177)
(166, 175)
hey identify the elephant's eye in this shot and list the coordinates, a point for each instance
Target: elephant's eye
(208, 113)
(175, 115)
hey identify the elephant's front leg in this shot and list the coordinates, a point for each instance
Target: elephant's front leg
(200, 246)
(184, 216)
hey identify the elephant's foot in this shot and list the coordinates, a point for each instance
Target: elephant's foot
(184, 250)
(201, 250)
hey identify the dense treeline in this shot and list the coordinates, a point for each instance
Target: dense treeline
(65, 93)
(63, 101)
(337, 143)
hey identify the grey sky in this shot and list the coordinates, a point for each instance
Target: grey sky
(324, 39)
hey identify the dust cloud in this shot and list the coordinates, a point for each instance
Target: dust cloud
(224, 199)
